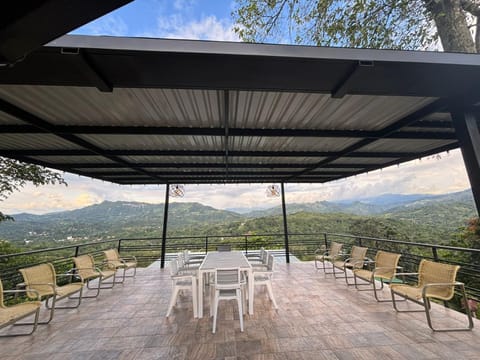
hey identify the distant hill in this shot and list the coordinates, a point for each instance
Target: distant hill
(380, 205)
(442, 214)
(109, 219)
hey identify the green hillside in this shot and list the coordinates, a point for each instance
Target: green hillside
(110, 219)
(435, 219)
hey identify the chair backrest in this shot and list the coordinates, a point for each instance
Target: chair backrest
(357, 256)
(227, 278)
(431, 272)
(270, 262)
(358, 252)
(85, 265)
(111, 255)
(335, 248)
(173, 267)
(224, 247)
(39, 274)
(388, 262)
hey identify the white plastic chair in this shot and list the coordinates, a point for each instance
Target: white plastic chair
(227, 287)
(182, 281)
(264, 277)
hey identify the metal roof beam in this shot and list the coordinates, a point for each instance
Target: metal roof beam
(146, 130)
(213, 165)
(212, 153)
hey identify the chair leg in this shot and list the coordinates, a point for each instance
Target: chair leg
(215, 310)
(469, 314)
(240, 308)
(194, 297)
(173, 300)
(34, 323)
(270, 294)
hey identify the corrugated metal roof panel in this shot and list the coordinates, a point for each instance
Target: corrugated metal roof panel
(261, 143)
(173, 159)
(404, 145)
(35, 141)
(283, 110)
(155, 142)
(126, 107)
(275, 160)
(74, 159)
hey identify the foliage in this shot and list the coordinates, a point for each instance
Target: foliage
(15, 175)
(400, 24)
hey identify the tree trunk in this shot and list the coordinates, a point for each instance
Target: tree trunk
(452, 25)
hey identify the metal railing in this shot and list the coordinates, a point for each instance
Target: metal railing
(301, 247)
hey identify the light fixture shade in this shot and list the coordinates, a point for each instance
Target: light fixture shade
(272, 190)
(176, 190)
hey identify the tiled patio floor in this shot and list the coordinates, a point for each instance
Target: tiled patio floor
(318, 318)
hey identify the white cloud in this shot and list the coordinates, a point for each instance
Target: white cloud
(176, 26)
(426, 176)
(110, 25)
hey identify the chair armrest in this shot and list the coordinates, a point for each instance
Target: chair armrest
(321, 251)
(409, 274)
(65, 275)
(127, 258)
(22, 291)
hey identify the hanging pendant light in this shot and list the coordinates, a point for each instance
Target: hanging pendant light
(272, 190)
(176, 190)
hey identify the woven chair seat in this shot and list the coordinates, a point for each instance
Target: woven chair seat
(68, 289)
(13, 312)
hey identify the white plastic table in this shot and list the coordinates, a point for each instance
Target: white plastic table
(224, 259)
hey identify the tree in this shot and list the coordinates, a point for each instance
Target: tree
(393, 24)
(15, 175)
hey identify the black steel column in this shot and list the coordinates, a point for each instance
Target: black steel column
(285, 227)
(164, 232)
(467, 128)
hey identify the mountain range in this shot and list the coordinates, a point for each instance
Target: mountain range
(133, 219)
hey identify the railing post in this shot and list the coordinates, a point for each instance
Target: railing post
(77, 248)
(206, 244)
(164, 232)
(359, 239)
(326, 240)
(285, 227)
(246, 244)
(435, 254)
(119, 246)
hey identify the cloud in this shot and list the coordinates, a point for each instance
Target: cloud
(110, 25)
(175, 26)
(427, 176)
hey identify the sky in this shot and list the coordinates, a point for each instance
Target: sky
(211, 20)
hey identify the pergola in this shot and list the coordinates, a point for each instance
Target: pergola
(156, 111)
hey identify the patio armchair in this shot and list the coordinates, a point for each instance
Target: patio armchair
(331, 255)
(228, 286)
(260, 261)
(356, 260)
(86, 270)
(40, 281)
(264, 277)
(10, 315)
(384, 269)
(125, 263)
(435, 281)
(182, 281)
